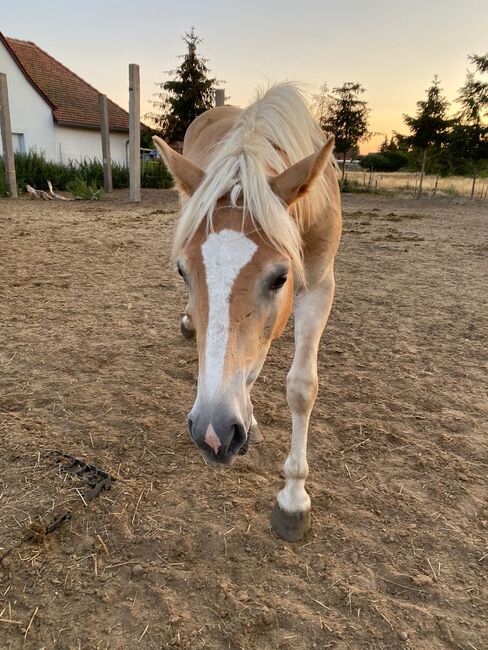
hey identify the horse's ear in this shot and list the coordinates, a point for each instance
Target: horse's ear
(295, 181)
(186, 174)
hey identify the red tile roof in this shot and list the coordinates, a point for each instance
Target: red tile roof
(73, 101)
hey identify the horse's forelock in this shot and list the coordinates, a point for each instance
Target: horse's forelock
(275, 131)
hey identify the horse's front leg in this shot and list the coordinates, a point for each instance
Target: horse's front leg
(291, 515)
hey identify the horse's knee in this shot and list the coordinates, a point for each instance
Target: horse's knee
(301, 391)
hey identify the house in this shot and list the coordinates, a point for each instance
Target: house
(54, 111)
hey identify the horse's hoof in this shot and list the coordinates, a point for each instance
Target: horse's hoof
(255, 435)
(187, 333)
(290, 526)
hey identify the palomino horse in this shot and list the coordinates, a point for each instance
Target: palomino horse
(256, 239)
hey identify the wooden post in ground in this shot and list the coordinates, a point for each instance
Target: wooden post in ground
(219, 96)
(134, 133)
(422, 174)
(7, 144)
(105, 132)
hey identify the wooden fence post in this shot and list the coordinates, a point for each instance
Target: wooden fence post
(219, 96)
(105, 132)
(7, 144)
(134, 133)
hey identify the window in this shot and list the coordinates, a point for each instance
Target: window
(18, 142)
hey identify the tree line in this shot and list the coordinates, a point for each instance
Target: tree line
(440, 139)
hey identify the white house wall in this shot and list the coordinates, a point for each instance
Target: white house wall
(80, 144)
(30, 114)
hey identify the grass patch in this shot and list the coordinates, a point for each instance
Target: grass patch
(451, 190)
(349, 186)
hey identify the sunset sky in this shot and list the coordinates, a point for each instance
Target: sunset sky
(393, 49)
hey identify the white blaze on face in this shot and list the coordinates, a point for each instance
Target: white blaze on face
(212, 439)
(224, 255)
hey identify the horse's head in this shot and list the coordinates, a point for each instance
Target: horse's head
(241, 288)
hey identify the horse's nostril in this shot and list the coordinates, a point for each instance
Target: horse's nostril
(238, 438)
(190, 426)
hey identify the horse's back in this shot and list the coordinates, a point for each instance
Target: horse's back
(206, 130)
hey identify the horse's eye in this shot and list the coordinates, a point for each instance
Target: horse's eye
(278, 282)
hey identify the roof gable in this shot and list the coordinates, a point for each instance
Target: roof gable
(73, 101)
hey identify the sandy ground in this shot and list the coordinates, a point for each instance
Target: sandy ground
(180, 555)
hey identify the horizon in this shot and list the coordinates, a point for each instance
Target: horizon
(394, 54)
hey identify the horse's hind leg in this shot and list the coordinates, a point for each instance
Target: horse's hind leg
(291, 515)
(187, 327)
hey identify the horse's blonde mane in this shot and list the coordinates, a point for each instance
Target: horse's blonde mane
(274, 132)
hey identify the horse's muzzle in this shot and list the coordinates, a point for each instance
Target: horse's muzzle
(219, 440)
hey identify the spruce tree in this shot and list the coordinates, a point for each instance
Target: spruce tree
(471, 129)
(186, 95)
(480, 61)
(429, 127)
(384, 146)
(346, 117)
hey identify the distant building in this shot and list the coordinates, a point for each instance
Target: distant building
(53, 111)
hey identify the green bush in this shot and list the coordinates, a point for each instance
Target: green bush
(120, 176)
(388, 161)
(155, 174)
(33, 169)
(81, 189)
(3, 180)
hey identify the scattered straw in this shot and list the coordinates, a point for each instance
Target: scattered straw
(142, 635)
(319, 603)
(383, 616)
(30, 623)
(137, 505)
(103, 544)
(432, 569)
(324, 624)
(9, 620)
(81, 497)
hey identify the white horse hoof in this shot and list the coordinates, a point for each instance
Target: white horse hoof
(290, 526)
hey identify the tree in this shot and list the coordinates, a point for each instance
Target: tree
(429, 127)
(320, 103)
(345, 115)
(384, 146)
(186, 95)
(480, 61)
(470, 130)
(393, 144)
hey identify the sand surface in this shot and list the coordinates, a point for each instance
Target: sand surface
(180, 555)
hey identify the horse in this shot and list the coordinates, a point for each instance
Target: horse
(256, 238)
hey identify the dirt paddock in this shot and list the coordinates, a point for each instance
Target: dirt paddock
(178, 555)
